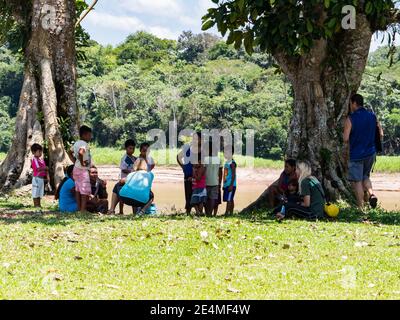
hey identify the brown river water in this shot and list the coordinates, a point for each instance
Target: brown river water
(169, 192)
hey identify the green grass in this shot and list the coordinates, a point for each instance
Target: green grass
(387, 164)
(110, 156)
(252, 257)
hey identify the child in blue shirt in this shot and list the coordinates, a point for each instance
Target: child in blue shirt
(229, 180)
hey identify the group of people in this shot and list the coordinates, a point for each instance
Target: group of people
(207, 180)
(300, 194)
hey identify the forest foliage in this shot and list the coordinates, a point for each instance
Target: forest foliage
(199, 80)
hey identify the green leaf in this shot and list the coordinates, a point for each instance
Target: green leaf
(368, 8)
(310, 27)
(327, 3)
(240, 4)
(207, 25)
(248, 42)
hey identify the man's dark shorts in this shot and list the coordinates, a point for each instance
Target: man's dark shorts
(361, 170)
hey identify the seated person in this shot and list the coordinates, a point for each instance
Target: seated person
(65, 193)
(312, 206)
(291, 196)
(98, 198)
(278, 189)
(135, 189)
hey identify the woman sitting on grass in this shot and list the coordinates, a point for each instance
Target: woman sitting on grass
(311, 190)
(135, 189)
(65, 193)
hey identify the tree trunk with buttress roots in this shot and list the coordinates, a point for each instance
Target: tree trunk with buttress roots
(323, 81)
(48, 93)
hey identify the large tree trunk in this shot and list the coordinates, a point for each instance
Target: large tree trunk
(48, 93)
(323, 81)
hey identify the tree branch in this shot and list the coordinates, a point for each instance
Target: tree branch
(85, 13)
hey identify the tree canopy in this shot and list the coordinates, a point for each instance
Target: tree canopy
(292, 26)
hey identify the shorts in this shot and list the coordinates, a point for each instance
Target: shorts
(134, 203)
(199, 196)
(213, 192)
(82, 181)
(37, 187)
(361, 170)
(128, 201)
(117, 188)
(229, 195)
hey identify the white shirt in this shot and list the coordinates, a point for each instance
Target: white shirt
(80, 144)
(213, 164)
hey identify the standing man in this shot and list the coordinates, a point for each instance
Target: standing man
(360, 132)
(185, 159)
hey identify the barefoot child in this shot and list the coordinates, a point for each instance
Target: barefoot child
(81, 153)
(229, 180)
(126, 166)
(40, 173)
(199, 195)
(213, 165)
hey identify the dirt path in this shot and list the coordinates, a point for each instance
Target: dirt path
(169, 193)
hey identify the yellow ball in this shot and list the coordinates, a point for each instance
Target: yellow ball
(332, 210)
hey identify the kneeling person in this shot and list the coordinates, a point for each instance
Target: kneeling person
(135, 189)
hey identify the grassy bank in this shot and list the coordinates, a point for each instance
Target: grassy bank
(111, 156)
(91, 257)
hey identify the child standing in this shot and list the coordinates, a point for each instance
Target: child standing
(128, 159)
(40, 173)
(145, 155)
(199, 195)
(83, 162)
(229, 180)
(213, 180)
(126, 166)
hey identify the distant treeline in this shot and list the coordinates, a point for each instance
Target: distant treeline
(199, 81)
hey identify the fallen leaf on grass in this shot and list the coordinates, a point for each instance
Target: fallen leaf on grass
(361, 244)
(286, 246)
(58, 277)
(111, 286)
(233, 290)
(78, 258)
(204, 237)
(394, 244)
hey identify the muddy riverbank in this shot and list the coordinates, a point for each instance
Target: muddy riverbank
(169, 193)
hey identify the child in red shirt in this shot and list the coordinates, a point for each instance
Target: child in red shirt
(40, 174)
